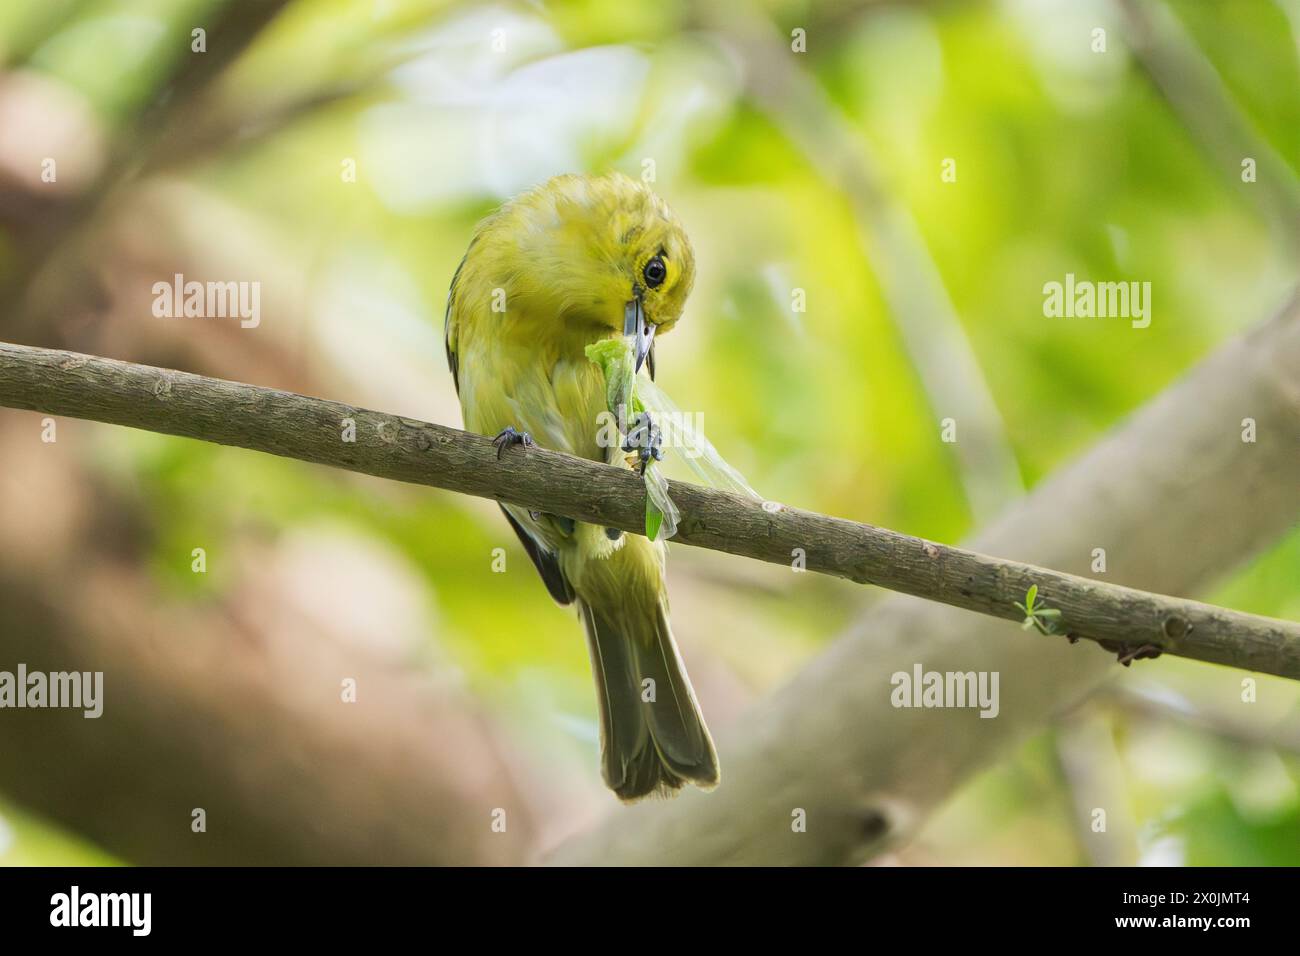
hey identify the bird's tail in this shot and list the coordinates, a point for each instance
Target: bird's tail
(652, 736)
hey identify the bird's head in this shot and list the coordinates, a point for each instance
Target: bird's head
(598, 254)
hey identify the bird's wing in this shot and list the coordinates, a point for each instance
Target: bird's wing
(542, 555)
(545, 560)
(450, 328)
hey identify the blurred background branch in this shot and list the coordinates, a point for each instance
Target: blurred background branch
(1197, 96)
(51, 241)
(919, 305)
(1164, 704)
(238, 711)
(1093, 771)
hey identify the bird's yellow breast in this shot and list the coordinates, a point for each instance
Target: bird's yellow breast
(546, 388)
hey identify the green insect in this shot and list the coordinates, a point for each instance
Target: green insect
(616, 360)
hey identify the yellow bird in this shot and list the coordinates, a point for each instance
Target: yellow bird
(569, 263)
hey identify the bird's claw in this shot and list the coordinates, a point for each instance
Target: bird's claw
(645, 439)
(508, 436)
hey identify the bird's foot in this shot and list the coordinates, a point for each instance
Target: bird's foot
(508, 436)
(645, 439)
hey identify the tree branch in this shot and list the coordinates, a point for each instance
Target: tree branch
(1129, 622)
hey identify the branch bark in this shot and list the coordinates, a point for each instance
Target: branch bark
(1129, 622)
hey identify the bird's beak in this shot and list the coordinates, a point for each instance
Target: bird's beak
(642, 333)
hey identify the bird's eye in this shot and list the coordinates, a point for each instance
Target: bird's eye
(655, 272)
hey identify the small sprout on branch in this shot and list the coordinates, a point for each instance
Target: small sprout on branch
(1037, 615)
